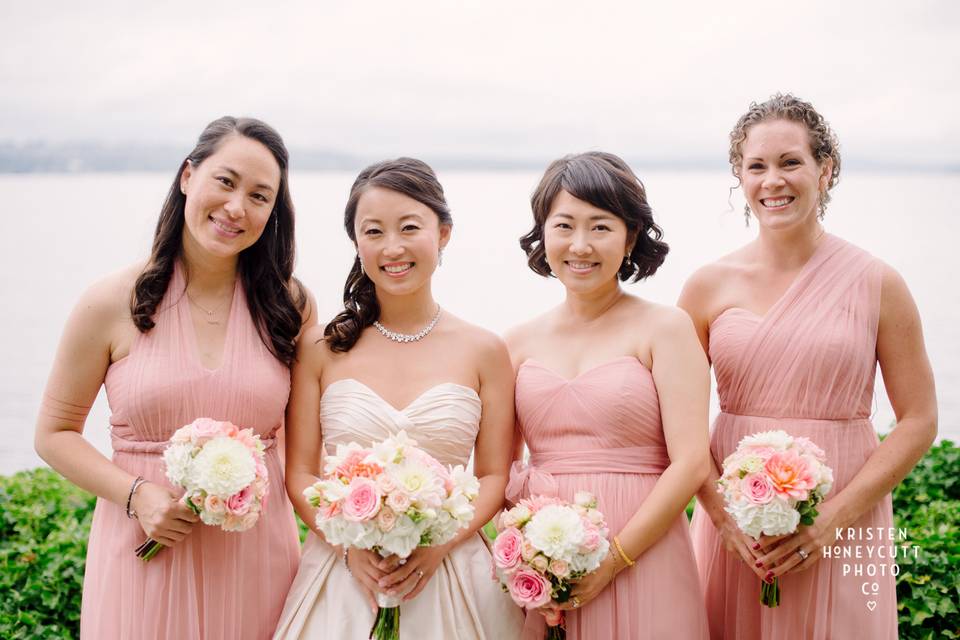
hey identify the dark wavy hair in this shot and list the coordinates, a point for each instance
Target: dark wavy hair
(275, 298)
(410, 177)
(606, 182)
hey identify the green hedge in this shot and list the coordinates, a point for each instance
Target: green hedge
(44, 522)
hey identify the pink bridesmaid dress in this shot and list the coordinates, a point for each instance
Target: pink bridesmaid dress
(601, 432)
(212, 585)
(806, 367)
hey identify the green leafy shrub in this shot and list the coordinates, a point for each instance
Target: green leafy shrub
(44, 524)
(927, 504)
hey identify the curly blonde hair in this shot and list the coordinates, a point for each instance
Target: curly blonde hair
(823, 141)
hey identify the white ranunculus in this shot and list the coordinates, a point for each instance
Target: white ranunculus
(224, 466)
(178, 460)
(776, 439)
(555, 530)
(465, 482)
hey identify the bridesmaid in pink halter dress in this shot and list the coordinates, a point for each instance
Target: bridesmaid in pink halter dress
(794, 324)
(611, 398)
(211, 335)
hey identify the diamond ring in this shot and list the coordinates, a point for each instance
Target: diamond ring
(803, 554)
(576, 602)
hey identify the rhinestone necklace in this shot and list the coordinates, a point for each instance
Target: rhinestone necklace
(408, 337)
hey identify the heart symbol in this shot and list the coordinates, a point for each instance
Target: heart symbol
(872, 604)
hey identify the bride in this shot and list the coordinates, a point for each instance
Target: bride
(392, 360)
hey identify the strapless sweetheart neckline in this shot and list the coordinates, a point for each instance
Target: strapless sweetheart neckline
(587, 371)
(367, 388)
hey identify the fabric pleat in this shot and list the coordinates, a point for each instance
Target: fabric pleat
(807, 367)
(601, 432)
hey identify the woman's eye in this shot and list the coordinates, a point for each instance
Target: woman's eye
(371, 232)
(791, 163)
(262, 198)
(410, 227)
(562, 225)
(755, 166)
(225, 181)
(601, 227)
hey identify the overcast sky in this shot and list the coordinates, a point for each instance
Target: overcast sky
(496, 79)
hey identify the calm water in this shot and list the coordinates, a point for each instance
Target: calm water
(62, 232)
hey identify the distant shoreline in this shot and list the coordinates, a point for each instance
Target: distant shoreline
(93, 157)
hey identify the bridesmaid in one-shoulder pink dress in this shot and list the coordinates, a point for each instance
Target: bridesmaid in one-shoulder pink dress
(806, 366)
(205, 328)
(611, 398)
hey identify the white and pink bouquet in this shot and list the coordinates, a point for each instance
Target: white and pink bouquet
(222, 471)
(771, 485)
(391, 498)
(544, 545)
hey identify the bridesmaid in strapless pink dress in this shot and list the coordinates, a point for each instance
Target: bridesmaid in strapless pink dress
(612, 398)
(601, 432)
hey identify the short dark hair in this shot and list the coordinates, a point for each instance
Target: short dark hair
(606, 182)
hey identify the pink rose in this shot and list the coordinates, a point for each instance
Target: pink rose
(591, 537)
(398, 501)
(213, 504)
(386, 484)
(756, 487)
(790, 474)
(553, 617)
(527, 550)
(182, 435)
(540, 563)
(506, 548)
(528, 588)
(386, 519)
(362, 501)
(559, 568)
(203, 429)
(239, 503)
(248, 439)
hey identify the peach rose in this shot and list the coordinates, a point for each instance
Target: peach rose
(362, 501)
(790, 474)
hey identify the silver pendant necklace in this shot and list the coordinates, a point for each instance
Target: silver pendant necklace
(408, 337)
(210, 318)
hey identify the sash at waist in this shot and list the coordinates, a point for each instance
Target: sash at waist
(786, 421)
(536, 476)
(124, 445)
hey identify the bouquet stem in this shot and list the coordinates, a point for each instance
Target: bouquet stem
(770, 593)
(556, 633)
(387, 624)
(148, 549)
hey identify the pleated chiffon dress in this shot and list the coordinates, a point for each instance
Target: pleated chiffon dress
(601, 432)
(214, 584)
(806, 367)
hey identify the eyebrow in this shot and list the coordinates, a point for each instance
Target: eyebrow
(236, 175)
(598, 216)
(785, 153)
(402, 218)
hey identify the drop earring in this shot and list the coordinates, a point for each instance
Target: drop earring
(440, 258)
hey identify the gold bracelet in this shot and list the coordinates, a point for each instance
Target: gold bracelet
(626, 558)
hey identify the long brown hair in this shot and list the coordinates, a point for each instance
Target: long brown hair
(275, 299)
(410, 177)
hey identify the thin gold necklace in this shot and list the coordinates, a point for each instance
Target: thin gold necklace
(210, 319)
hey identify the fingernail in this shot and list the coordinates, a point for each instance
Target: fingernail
(756, 546)
(759, 564)
(769, 575)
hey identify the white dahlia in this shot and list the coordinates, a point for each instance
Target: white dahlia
(556, 530)
(223, 467)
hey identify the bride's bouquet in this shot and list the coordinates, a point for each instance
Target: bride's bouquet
(772, 484)
(222, 471)
(392, 498)
(543, 546)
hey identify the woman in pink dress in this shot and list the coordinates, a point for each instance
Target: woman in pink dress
(795, 323)
(611, 396)
(204, 328)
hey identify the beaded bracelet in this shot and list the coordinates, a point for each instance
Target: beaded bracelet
(133, 489)
(626, 558)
